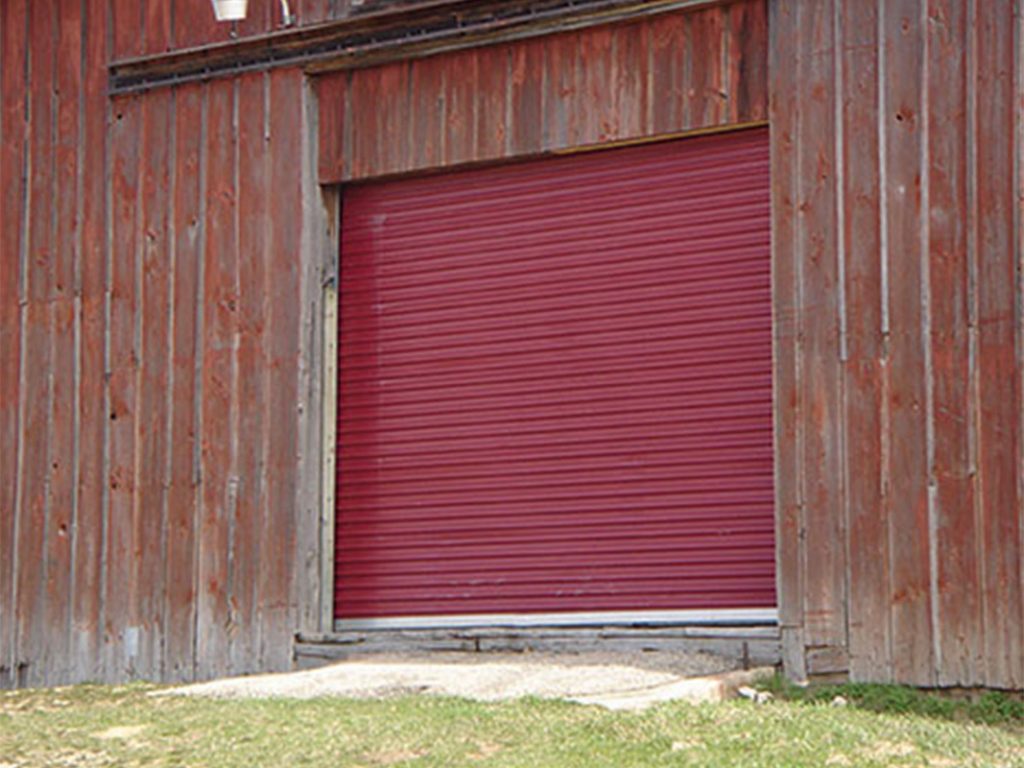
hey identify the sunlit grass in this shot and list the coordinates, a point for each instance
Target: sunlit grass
(125, 726)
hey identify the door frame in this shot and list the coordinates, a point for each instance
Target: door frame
(328, 623)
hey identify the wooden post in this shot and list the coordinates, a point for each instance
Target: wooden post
(330, 411)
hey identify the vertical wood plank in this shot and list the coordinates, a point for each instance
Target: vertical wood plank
(949, 279)
(37, 379)
(824, 587)
(784, 27)
(706, 94)
(68, 84)
(459, 73)
(599, 108)
(127, 27)
(61, 480)
(997, 148)
(156, 27)
(865, 367)
(561, 100)
(308, 601)
(316, 262)
(87, 575)
(149, 514)
(396, 123)
(331, 94)
(254, 212)
(749, 61)
(312, 11)
(13, 193)
(671, 72)
(909, 532)
(328, 437)
(632, 78)
(62, 469)
(119, 639)
(1018, 234)
(220, 305)
(188, 191)
(425, 133)
(278, 543)
(30, 608)
(262, 17)
(491, 102)
(366, 99)
(526, 98)
(732, 20)
(194, 24)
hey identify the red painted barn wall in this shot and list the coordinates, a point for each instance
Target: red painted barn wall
(151, 389)
(898, 298)
(156, 26)
(150, 316)
(663, 75)
(149, 319)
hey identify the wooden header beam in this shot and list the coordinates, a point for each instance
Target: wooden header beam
(402, 31)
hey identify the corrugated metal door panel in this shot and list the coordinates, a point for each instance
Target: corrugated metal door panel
(556, 386)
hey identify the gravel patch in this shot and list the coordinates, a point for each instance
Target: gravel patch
(479, 676)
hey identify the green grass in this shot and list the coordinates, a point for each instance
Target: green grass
(990, 707)
(124, 726)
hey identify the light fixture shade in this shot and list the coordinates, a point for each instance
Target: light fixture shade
(229, 10)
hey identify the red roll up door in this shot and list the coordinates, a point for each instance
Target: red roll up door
(556, 388)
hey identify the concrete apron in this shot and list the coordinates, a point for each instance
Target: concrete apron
(614, 686)
(695, 690)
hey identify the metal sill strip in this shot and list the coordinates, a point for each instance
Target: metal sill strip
(724, 617)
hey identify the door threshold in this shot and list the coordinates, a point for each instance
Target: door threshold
(703, 617)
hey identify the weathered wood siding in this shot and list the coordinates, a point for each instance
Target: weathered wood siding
(896, 165)
(156, 26)
(666, 74)
(159, 273)
(160, 277)
(151, 328)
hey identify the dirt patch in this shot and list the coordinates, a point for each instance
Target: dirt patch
(123, 732)
(889, 749)
(838, 759)
(484, 751)
(392, 757)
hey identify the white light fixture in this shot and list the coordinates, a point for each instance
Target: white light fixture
(235, 10)
(229, 10)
